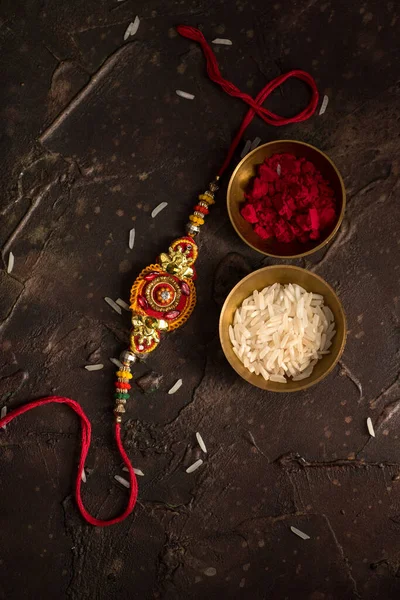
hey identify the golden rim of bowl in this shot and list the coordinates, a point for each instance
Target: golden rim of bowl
(303, 384)
(324, 242)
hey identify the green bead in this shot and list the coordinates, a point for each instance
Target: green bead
(121, 396)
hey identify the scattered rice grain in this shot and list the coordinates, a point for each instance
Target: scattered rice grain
(201, 442)
(194, 466)
(122, 481)
(371, 429)
(324, 105)
(255, 143)
(131, 238)
(113, 305)
(175, 387)
(136, 471)
(158, 209)
(222, 41)
(10, 264)
(3, 414)
(122, 304)
(94, 367)
(246, 149)
(132, 28)
(116, 362)
(83, 476)
(301, 534)
(185, 95)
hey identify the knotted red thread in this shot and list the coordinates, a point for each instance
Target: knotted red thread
(86, 430)
(256, 103)
(269, 117)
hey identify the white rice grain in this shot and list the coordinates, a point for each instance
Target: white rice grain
(301, 534)
(3, 413)
(324, 105)
(255, 143)
(185, 95)
(136, 471)
(122, 304)
(83, 476)
(131, 242)
(246, 149)
(116, 362)
(175, 387)
(10, 264)
(371, 429)
(113, 305)
(278, 378)
(158, 209)
(194, 466)
(222, 41)
(132, 28)
(122, 481)
(201, 442)
(94, 367)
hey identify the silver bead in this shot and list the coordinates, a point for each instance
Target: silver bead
(199, 214)
(128, 357)
(192, 229)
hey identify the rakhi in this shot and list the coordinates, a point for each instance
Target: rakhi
(163, 295)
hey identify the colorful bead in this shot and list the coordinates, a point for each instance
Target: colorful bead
(121, 395)
(124, 386)
(128, 357)
(121, 400)
(207, 198)
(124, 374)
(201, 209)
(196, 220)
(192, 229)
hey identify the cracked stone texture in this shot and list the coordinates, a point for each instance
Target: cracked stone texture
(93, 138)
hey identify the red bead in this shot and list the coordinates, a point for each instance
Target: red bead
(201, 209)
(143, 302)
(122, 385)
(172, 314)
(185, 288)
(150, 276)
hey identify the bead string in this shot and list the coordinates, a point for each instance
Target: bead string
(149, 326)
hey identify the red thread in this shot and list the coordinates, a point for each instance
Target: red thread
(255, 104)
(86, 436)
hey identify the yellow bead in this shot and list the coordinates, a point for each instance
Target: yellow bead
(196, 220)
(124, 374)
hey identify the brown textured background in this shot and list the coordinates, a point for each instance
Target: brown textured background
(93, 137)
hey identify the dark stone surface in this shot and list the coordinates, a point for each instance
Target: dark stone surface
(93, 138)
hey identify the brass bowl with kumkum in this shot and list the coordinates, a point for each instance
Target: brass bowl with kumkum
(294, 221)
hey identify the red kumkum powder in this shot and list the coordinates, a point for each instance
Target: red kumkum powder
(289, 199)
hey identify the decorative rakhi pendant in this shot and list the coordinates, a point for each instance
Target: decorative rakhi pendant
(163, 297)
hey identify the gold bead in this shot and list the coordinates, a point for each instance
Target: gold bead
(118, 419)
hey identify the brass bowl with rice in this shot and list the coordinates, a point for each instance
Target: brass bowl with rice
(283, 338)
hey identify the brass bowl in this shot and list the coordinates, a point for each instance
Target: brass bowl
(247, 169)
(283, 274)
